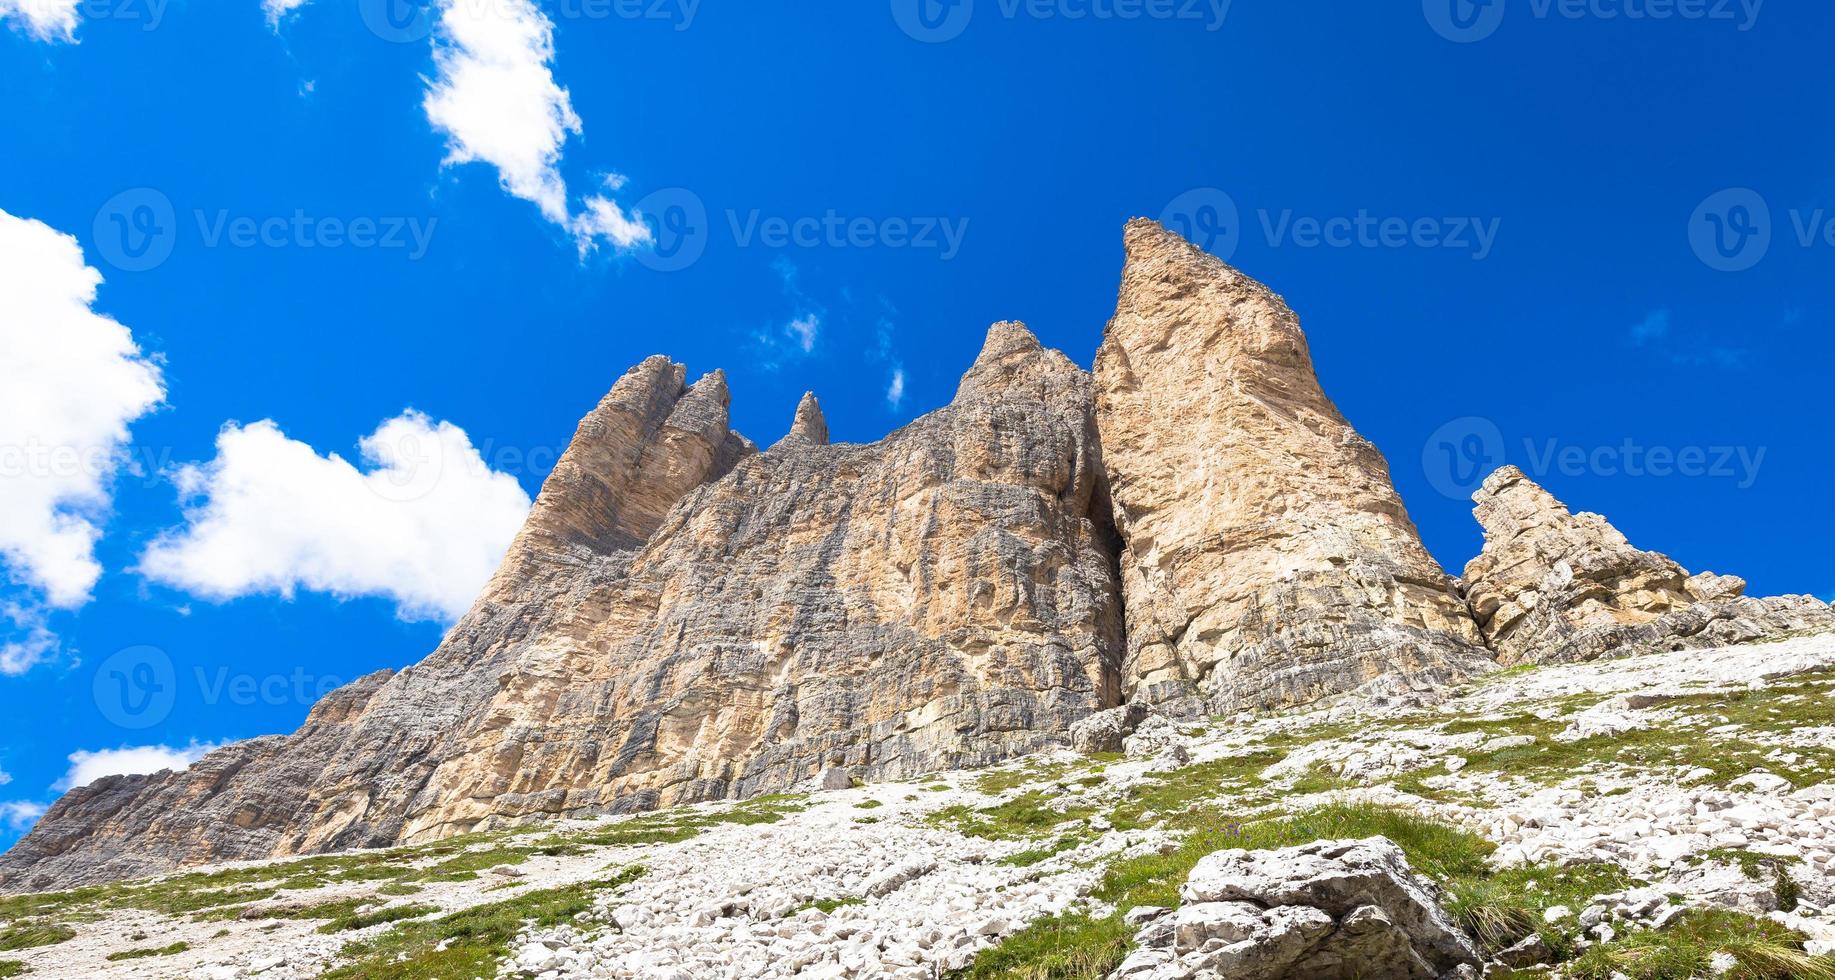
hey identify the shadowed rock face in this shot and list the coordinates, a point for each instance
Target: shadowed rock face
(1553, 586)
(1269, 561)
(684, 618)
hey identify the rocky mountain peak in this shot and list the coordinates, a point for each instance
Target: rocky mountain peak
(1552, 585)
(1012, 359)
(809, 427)
(1269, 560)
(648, 442)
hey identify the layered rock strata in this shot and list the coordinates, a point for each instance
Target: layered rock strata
(1268, 559)
(686, 619)
(1554, 586)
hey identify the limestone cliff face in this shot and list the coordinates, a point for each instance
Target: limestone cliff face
(1553, 586)
(1268, 559)
(685, 618)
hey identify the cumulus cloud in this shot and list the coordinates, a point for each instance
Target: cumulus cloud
(20, 815)
(71, 382)
(129, 760)
(424, 524)
(495, 97)
(46, 20)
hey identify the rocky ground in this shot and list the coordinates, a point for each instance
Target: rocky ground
(1660, 816)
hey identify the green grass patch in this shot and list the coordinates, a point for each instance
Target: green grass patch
(363, 920)
(32, 935)
(474, 940)
(12, 968)
(1763, 950)
(1027, 815)
(1077, 946)
(1026, 859)
(138, 954)
(868, 805)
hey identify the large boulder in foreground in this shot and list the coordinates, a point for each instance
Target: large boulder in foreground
(1268, 560)
(1553, 586)
(685, 618)
(1329, 910)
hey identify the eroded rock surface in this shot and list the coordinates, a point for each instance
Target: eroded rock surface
(685, 619)
(1554, 586)
(1328, 909)
(1268, 559)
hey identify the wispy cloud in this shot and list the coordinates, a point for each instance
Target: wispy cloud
(895, 389)
(1656, 333)
(46, 20)
(20, 815)
(1651, 329)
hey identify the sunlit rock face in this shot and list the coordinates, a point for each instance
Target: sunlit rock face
(1553, 586)
(1268, 560)
(686, 618)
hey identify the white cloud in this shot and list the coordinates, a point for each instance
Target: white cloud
(803, 330)
(30, 644)
(20, 815)
(495, 97)
(71, 382)
(135, 760)
(895, 389)
(47, 20)
(604, 219)
(277, 9)
(425, 525)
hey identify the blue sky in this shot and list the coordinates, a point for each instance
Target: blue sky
(1578, 237)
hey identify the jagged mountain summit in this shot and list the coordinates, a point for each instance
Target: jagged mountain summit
(1553, 586)
(1191, 528)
